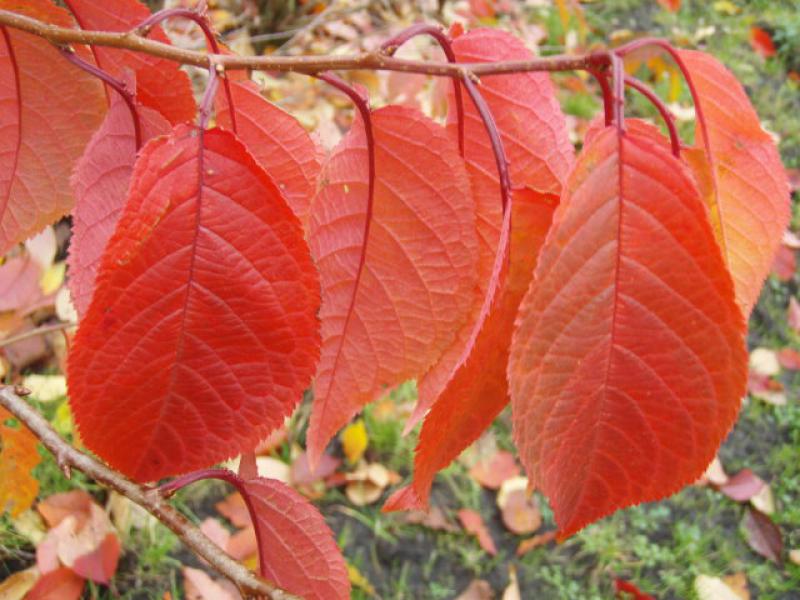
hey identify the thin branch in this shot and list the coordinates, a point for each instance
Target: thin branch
(148, 498)
(34, 332)
(669, 120)
(302, 64)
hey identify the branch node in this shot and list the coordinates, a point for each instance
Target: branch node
(21, 390)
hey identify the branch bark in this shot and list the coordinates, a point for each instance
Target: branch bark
(310, 65)
(148, 498)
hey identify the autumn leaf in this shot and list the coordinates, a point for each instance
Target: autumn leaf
(478, 391)
(62, 583)
(742, 486)
(604, 415)
(207, 274)
(18, 457)
(100, 182)
(534, 135)
(277, 141)
(493, 471)
(161, 84)
(57, 107)
(763, 535)
(761, 42)
(731, 153)
(473, 523)
(418, 276)
(354, 441)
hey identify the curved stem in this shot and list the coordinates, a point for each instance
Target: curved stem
(645, 91)
(200, 20)
(119, 86)
(44, 329)
(605, 88)
(148, 498)
(618, 92)
(390, 46)
(207, 103)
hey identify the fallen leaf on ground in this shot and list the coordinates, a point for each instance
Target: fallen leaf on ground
(742, 486)
(766, 389)
(233, 508)
(763, 535)
(18, 457)
(512, 589)
(354, 441)
(763, 500)
(46, 388)
(625, 590)
(761, 42)
(432, 519)
(492, 472)
(358, 580)
(199, 586)
(478, 589)
(16, 585)
(764, 362)
(473, 523)
(301, 474)
(794, 556)
(521, 513)
(61, 584)
(785, 264)
(789, 359)
(367, 483)
(714, 474)
(215, 532)
(541, 539)
(793, 314)
(272, 468)
(708, 587)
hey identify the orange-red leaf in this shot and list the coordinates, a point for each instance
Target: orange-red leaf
(627, 363)
(296, 547)
(202, 332)
(761, 41)
(472, 522)
(48, 111)
(18, 457)
(161, 84)
(534, 134)
(478, 391)
(277, 140)
(741, 177)
(62, 584)
(418, 277)
(100, 183)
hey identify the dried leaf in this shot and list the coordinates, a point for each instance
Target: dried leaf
(18, 457)
(763, 535)
(473, 523)
(492, 472)
(742, 486)
(478, 589)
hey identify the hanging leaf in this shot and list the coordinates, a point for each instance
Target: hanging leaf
(418, 276)
(100, 183)
(627, 363)
(534, 135)
(277, 140)
(57, 106)
(18, 457)
(478, 391)
(161, 84)
(296, 547)
(741, 176)
(204, 316)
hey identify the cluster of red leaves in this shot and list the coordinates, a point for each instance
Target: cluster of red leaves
(219, 272)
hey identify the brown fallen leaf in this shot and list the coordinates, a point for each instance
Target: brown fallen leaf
(512, 589)
(742, 486)
(478, 589)
(708, 587)
(763, 500)
(541, 539)
(794, 556)
(233, 508)
(714, 474)
(16, 585)
(763, 536)
(432, 519)
(738, 584)
(473, 523)
(367, 483)
(492, 472)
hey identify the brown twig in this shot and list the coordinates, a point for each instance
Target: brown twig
(302, 64)
(34, 332)
(148, 498)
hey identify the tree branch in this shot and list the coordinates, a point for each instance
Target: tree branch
(310, 65)
(148, 498)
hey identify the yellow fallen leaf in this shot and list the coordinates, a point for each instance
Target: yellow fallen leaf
(16, 585)
(53, 277)
(358, 580)
(713, 588)
(354, 441)
(726, 8)
(18, 456)
(46, 388)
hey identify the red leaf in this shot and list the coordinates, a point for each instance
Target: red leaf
(763, 535)
(748, 219)
(534, 134)
(296, 547)
(418, 278)
(761, 41)
(671, 5)
(493, 472)
(61, 584)
(742, 486)
(161, 84)
(202, 333)
(625, 590)
(100, 183)
(48, 111)
(277, 140)
(478, 391)
(473, 523)
(628, 362)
